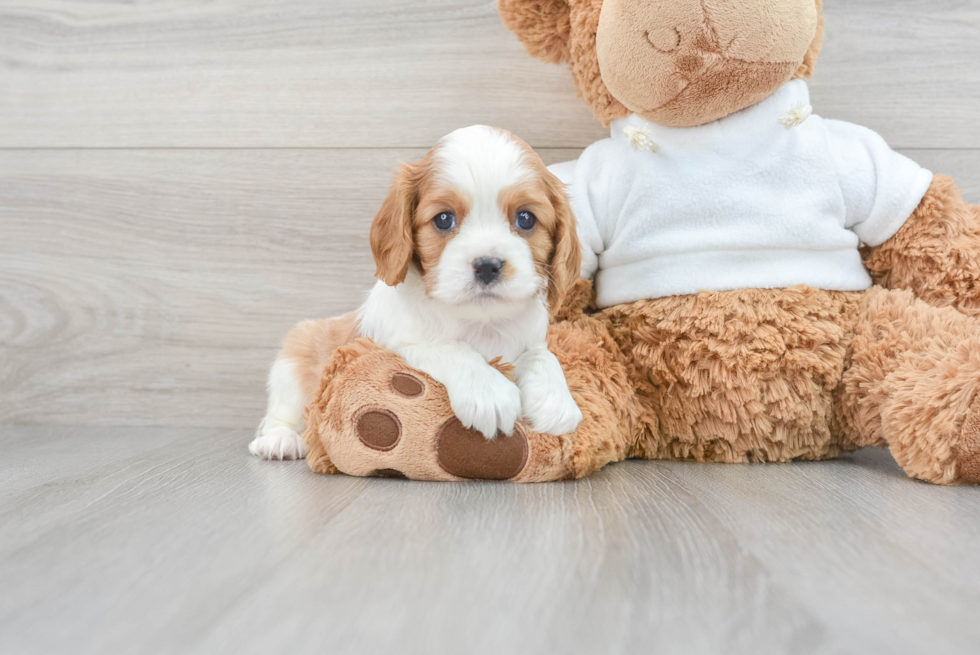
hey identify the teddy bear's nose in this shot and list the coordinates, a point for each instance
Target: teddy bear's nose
(690, 65)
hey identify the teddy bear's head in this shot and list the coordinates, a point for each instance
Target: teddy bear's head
(678, 63)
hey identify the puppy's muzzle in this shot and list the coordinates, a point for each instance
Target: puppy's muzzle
(487, 270)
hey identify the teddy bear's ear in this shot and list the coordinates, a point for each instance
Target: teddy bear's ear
(544, 26)
(810, 59)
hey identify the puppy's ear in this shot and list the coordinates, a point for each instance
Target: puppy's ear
(544, 26)
(392, 240)
(566, 258)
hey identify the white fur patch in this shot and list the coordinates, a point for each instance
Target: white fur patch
(277, 436)
(278, 443)
(547, 403)
(482, 160)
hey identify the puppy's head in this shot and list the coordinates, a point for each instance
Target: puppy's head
(484, 222)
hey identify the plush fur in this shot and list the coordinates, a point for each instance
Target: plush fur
(754, 375)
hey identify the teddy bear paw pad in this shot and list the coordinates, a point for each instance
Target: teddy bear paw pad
(379, 429)
(407, 386)
(466, 453)
(388, 473)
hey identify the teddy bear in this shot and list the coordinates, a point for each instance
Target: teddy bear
(760, 284)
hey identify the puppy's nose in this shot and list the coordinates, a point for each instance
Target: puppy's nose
(487, 269)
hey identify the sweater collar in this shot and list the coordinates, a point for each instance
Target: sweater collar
(756, 122)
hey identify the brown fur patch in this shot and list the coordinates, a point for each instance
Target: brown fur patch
(402, 231)
(311, 344)
(392, 242)
(430, 241)
(532, 196)
(561, 253)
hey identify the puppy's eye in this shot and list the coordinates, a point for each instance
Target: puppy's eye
(445, 221)
(526, 220)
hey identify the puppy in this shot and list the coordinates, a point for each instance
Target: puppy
(473, 244)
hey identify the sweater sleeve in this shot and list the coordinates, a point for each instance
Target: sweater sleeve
(573, 175)
(881, 188)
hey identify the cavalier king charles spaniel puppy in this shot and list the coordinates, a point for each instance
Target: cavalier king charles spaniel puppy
(473, 245)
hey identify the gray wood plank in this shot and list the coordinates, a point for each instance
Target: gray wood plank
(143, 553)
(263, 74)
(861, 546)
(185, 544)
(153, 287)
(620, 563)
(384, 73)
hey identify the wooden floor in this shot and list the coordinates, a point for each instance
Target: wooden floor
(181, 181)
(163, 540)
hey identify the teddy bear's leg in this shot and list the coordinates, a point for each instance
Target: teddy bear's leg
(936, 254)
(378, 417)
(737, 376)
(912, 384)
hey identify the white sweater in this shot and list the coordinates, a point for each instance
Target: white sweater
(739, 203)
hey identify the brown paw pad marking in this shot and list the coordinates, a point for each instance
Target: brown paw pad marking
(968, 463)
(389, 473)
(967, 451)
(467, 453)
(379, 429)
(407, 386)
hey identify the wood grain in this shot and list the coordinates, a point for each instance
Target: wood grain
(387, 73)
(121, 540)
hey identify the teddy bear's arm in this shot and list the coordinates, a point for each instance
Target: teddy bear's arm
(936, 254)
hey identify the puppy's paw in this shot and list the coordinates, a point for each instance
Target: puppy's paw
(487, 402)
(278, 443)
(551, 410)
(546, 400)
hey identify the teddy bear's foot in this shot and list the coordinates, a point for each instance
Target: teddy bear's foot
(379, 418)
(914, 384)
